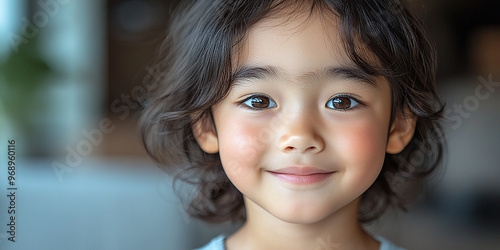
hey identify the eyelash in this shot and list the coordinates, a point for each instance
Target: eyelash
(272, 104)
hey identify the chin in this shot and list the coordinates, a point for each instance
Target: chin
(305, 215)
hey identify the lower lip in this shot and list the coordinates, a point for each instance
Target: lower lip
(302, 179)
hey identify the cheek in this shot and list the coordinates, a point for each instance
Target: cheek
(240, 150)
(363, 149)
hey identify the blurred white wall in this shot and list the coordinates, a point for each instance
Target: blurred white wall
(71, 39)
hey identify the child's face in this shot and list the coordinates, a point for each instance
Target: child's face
(301, 133)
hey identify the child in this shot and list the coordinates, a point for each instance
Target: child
(299, 118)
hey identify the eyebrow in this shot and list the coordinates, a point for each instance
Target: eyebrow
(353, 73)
(345, 73)
(249, 72)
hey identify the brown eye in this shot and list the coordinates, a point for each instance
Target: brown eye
(342, 103)
(259, 102)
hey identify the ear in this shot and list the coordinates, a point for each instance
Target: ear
(204, 132)
(401, 132)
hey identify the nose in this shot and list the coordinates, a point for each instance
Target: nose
(301, 136)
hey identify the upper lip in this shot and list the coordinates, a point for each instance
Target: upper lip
(300, 171)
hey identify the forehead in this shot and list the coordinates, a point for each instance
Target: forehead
(298, 42)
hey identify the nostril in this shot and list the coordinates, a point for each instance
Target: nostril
(301, 144)
(308, 149)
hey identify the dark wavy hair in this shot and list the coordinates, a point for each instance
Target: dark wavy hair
(195, 73)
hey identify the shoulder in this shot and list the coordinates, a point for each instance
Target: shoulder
(387, 245)
(216, 243)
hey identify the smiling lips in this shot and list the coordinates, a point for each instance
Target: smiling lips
(301, 175)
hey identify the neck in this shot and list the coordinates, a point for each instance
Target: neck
(340, 230)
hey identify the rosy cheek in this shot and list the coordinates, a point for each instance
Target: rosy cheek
(363, 147)
(239, 150)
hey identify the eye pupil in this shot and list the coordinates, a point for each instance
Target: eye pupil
(341, 103)
(260, 102)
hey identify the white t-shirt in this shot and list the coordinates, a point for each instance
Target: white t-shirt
(217, 243)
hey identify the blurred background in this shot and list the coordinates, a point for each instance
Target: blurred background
(69, 74)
